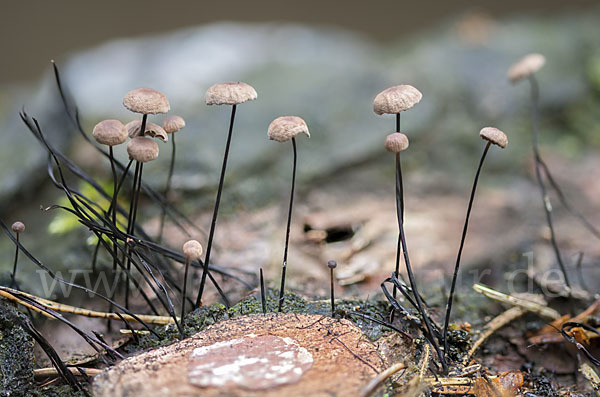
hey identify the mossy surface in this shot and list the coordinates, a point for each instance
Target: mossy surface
(16, 354)
(202, 317)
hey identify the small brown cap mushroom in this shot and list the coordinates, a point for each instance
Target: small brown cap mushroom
(396, 99)
(525, 67)
(287, 127)
(110, 132)
(18, 227)
(332, 264)
(396, 142)
(192, 249)
(494, 135)
(153, 130)
(146, 101)
(173, 124)
(230, 94)
(142, 149)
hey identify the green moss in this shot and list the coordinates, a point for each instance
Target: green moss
(16, 353)
(57, 391)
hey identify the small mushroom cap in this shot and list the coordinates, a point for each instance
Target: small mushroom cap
(396, 142)
(142, 149)
(110, 132)
(494, 135)
(525, 67)
(192, 249)
(332, 264)
(232, 93)
(173, 124)
(287, 127)
(18, 227)
(146, 101)
(152, 129)
(396, 99)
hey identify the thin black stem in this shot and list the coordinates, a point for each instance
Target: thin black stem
(131, 224)
(263, 298)
(14, 272)
(183, 293)
(167, 188)
(400, 205)
(287, 232)
(535, 95)
(213, 224)
(411, 277)
(113, 203)
(332, 294)
(460, 249)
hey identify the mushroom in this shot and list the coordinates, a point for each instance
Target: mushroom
(18, 227)
(526, 68)
(222, 94)
(192, 250)
(110, 133)
(492, 136)
(283, 129)
(152, 130)
(171, 125)
(142, 150)
(332, 265)
(395, 100)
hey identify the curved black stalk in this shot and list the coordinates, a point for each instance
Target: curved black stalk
(460, 249)
(535, 95)
(216, 210)
(167, 188)
(13, 282)
(131, 222)
(183, 293)
(287, 233)
(113, 203)
(411, 276)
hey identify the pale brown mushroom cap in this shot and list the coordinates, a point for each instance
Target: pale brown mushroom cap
(146, 101)
(153, 130)
(494, 135)
(173, 124)
(287, 127)
(525, 67)
(396, 99)
(396, 142)
(232, 93)
(142, 149)
(110, 132)
(192, 249)
(18, 227)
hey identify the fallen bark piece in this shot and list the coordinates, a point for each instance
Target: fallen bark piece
(256, 355)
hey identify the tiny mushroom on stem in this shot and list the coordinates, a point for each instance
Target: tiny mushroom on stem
(111, 133)
(171, 125)
(18, 227)
(526, 68)
(144, 101)
(231, 93)
(192, 250)
(332, 265)
(283, 129)
(492, 136)
(395, 100)
(152, 130)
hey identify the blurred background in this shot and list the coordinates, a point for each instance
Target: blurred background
(325, 62)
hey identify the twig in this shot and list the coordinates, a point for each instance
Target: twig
(380, 378)
(77, 371)
(494, 325)
(525, 304)
(591, 376)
